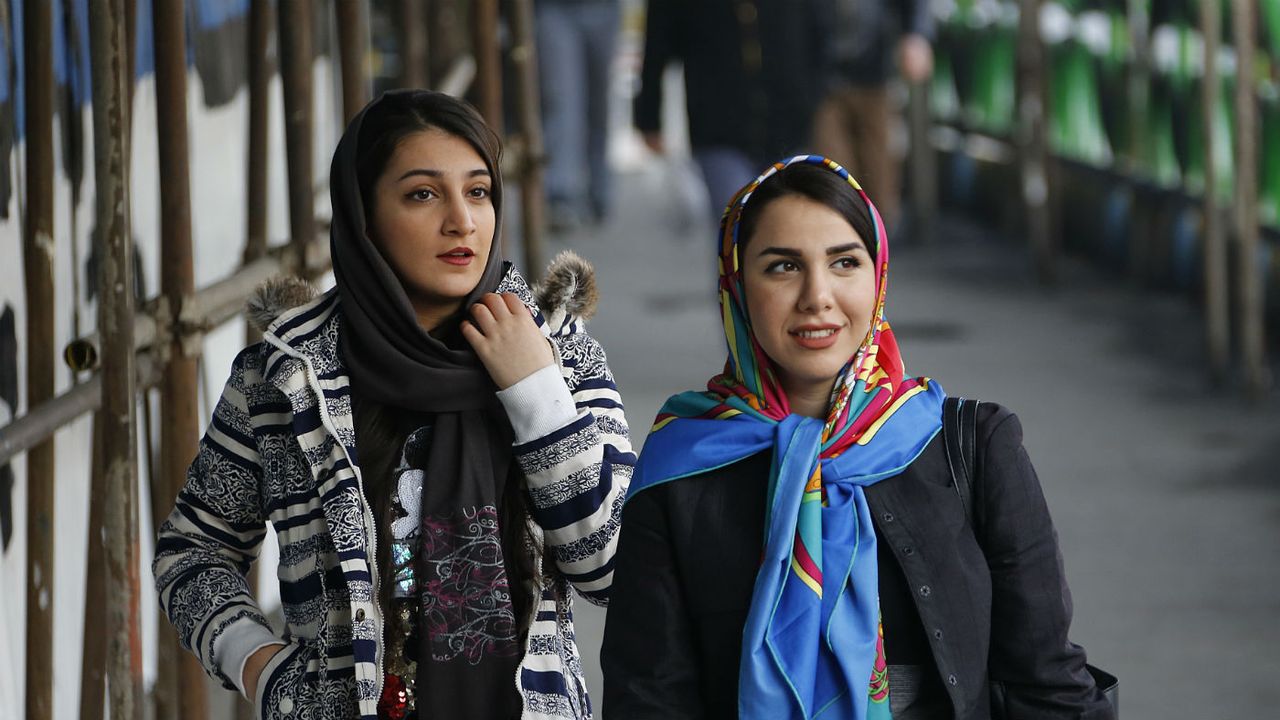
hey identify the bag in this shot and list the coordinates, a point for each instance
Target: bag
(960, 432)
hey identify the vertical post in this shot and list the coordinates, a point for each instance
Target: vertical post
(525, 57)
(442, 37)
(1250, 298)
(484, 38)
(922, 166)
(115, 327)
(1033, 144)
(259, 104)
(1138, 88)
(184, 694)
(353, 43)
(413, 44)
(37, 261)
(294, 24)
(94, 657)
(1217, 320)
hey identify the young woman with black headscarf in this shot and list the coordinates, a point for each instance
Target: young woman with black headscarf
(440, 457)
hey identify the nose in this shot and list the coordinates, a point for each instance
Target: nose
(458, 221)
(816, 294)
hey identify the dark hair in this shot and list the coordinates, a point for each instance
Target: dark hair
(816, 183)
(381, 430)
(397, 115)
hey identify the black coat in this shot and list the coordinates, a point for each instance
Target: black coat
(690, 549)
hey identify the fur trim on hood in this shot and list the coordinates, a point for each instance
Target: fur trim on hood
(567, 297)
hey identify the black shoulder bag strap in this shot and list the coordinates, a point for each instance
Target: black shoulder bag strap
(960, 432)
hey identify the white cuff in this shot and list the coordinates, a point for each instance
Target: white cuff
(239, 640)
(539, 405)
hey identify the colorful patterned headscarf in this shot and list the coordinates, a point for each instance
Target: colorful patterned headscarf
(813, 642)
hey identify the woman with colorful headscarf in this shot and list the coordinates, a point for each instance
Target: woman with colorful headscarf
(793, 544)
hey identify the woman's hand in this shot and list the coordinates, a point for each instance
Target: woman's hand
(508, 341)
(253, 668)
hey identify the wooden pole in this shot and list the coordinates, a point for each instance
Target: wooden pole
(412, 36)
(1216, 305)
(37, 261)
(922, 166)
(525, 57)
(184, 693)
(1033, 142)
(353, 44)
(94, 659)
(443, 38)
(115, 323)
(294, 25)
(484, 17)
(255, 245)
(1138, 89)
(1250, 299)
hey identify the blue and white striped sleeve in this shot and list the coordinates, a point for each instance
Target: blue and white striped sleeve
(579, 471)
(204, 549)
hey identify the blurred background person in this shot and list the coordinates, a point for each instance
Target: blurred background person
(854, 120)
(577, 40)
(752, 75)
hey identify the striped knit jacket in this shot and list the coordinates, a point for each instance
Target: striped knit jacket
(280, 449)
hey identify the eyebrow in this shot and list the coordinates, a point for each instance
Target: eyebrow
(428, 172)
(833, 250)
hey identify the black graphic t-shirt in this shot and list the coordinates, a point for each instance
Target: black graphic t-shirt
(450, 597)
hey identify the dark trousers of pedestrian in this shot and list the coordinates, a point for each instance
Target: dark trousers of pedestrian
(576, 44)
(852, 127)
(725, 170)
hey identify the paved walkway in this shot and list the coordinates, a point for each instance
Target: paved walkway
(1165, 492)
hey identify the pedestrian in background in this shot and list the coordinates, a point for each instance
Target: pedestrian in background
(853, 125)
(439, 459)
(577, 40)
(793, 545)
(752, 76)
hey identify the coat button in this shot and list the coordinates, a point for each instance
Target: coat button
(285, 706)
(360, 615)
(908, 551)
(925, 591)
(937, 634)
(952, 679)
(887, 517)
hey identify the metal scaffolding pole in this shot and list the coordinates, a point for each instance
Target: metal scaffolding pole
(353, 45)
(294, 25)
(1033, 143)
(37, 261)
(181, 691)
(525, 57)
(255, 245)
(115, 324)
(1216, 302)
(94, 657)
(1250, 300)
(484, 38)
(412, 37)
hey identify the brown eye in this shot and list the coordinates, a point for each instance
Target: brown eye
(421, 194)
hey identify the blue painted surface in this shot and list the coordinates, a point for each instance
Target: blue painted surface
(71, 54)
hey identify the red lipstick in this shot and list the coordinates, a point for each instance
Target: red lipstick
(461, 256)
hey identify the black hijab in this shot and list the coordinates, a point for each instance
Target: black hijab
(393, 361)
(390, 358)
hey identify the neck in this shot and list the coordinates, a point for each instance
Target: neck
(809, 399)
(431, 316)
